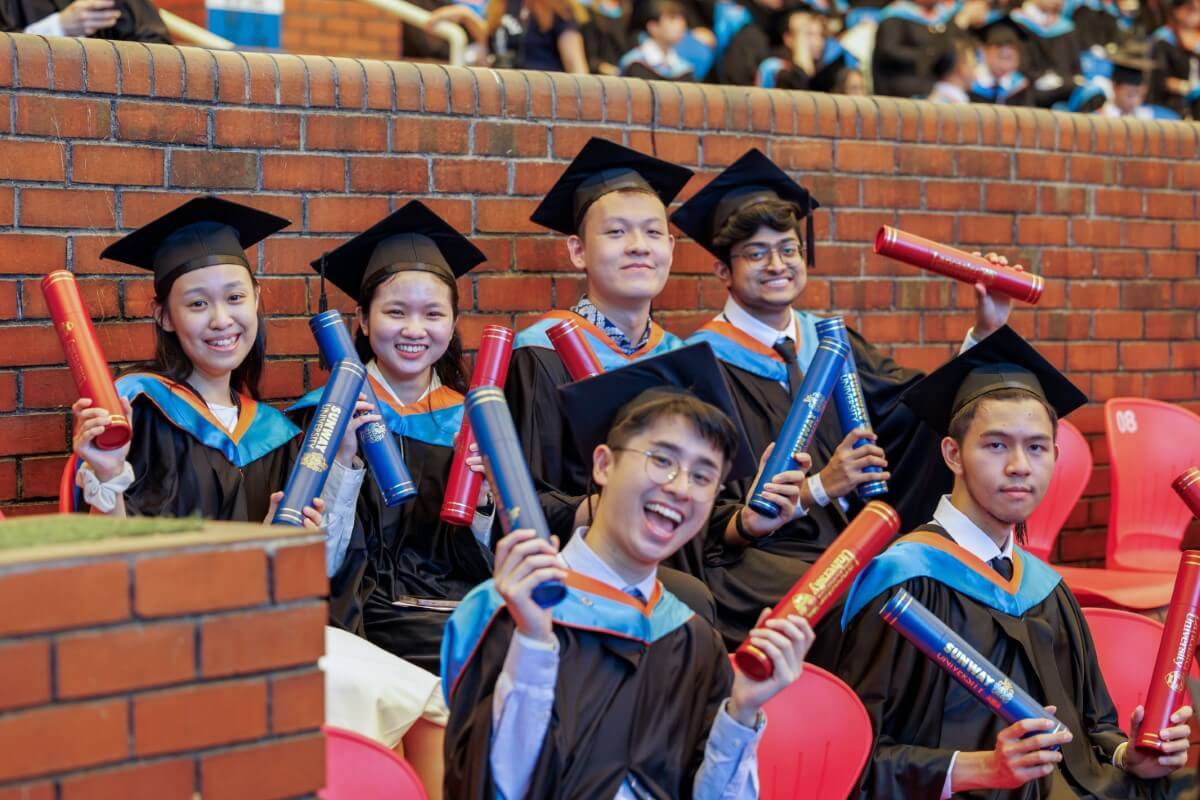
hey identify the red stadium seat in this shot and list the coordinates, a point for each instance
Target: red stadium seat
(358, 768)
(817, 740)
(66, 486)
(1096, 587)
(1149, 444)
(1126, 646)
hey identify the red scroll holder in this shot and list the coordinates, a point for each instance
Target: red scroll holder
(85, 358)
(954, 263)
(491, 368)
(573, 349)
(827, 580)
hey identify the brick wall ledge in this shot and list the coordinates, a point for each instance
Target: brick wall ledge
(213, 534)
(100, 67)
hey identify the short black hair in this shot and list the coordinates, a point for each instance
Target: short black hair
(962, 420)
(647, 11)
(778, 215)
(655, 404)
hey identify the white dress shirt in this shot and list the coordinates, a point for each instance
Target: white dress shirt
(524, 701)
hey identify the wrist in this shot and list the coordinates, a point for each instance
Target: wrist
(970, 771)
(817, 491)
(745, 716)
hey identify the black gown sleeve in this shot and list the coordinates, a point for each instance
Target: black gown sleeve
(745, 52)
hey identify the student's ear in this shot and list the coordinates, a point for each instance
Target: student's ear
(952, 455)
(163, 318)
(602, 463)
(257, 296)
(723, 272)
(360, 320)
(575, 251)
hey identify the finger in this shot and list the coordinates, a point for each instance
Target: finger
(318, 504)
(1036, 758)
(790, 477)
(537, 578)
(1176, 743)
(528, 566)
(798, 640)
(868, 450)
(507, 543)
(772, 651)
(1025, 726)
(762, 617)
(1136, 716)
(79, 405)
(1182, 715)
(788, 490)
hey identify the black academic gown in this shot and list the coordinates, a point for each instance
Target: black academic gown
(921, 716)
(179, 472)
(1056, 50)
(406, 552)
(139, 21)
(907, 49)
(1171, 60)
(744, 580)
(623, 704)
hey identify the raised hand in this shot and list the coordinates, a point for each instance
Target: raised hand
(786, 642)
(1173, 746)
(364, 414)
(992, 308)
(782, 489)
(90, 423)
(523, 562)
(846, 469)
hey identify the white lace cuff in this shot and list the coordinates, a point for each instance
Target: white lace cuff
(102, 496)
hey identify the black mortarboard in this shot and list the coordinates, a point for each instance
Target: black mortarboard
(412, 238)
(999, 29)
(592, 404)
(203, 232)
(602, 167)
(751, 179)
(1130, 69)
(1001, 361)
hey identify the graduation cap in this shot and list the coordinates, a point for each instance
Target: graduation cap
(999, 29)
(751, 179)
(602, 167)
(592, 404)
(1001, 361)
(412, 238)
(203, 232)
(1130, 69)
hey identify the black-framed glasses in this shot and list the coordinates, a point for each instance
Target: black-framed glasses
(662, 468)
(759, 255)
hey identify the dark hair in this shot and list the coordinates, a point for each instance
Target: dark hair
(449, 367)
(626, 190)
(172, 362)
(962, 420)
(966, 415)
(778, 215)
(647, 11)
(654, 404)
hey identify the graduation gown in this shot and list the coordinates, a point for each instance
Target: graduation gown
(1054, 49)
(746, 579)
(1030, 627)
(1012, 90)
(1171, 60)
(185, 461)
(534, 375)
(908, 46)
(406, 551)
(637, 692)
(139, 21)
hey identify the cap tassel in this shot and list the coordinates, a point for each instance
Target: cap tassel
(812, 240)
(323, 301)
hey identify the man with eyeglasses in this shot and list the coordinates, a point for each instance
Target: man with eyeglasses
(758, 224)
(620, 691)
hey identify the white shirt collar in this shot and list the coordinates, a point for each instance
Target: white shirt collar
(581, 558)
(374, 371)
(952, 92)
(967, 534)
(756, 329)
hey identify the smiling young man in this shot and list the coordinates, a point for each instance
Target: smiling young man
(757, 223)
(610, 203)
(998, 405)
(620, 691)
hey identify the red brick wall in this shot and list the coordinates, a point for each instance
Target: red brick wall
(1104, 208)
(175, 669)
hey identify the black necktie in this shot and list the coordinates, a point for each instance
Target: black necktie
(1002, 565)
(787, 351)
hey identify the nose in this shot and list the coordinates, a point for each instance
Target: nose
(775, 262)
(1018, 462)
(221, 317)
(679, 485)
(637, 242)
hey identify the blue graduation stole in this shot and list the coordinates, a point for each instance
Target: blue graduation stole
(911, 12)
(741, 350)
(434, 419)
(590, 605)
(610, 356)
(1059, 27)
(260, 428)
(926, 554)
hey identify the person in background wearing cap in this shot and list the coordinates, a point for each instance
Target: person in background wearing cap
(997, 406)
(1130, 72)
(912, 36)
(955, 73)
(619, 691)
(397, 571)
(610, 203)
(998, 78)
(202, 442)
(1175, 51)
(758, 224)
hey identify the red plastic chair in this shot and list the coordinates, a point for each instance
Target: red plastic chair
(358, 768)
(1126, 646)
(817, 740)
(1109, 588)
(66, 486)
(1149, 444)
